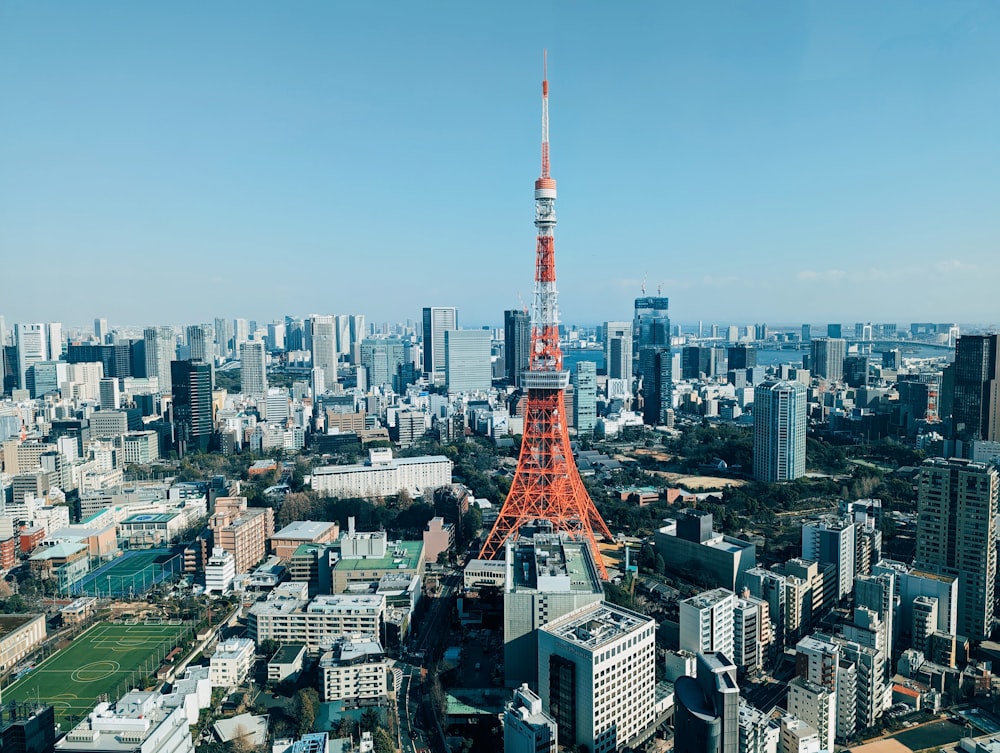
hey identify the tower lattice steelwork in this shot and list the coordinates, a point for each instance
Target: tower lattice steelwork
(547, 486)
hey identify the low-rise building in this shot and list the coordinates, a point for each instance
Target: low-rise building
(231, 663)
(354, 671)
(480, 573)
(220, 571)
(439, 537)
(317, 624)
(384, 476)
(689, 545)
(20, 634)
(291, 537)
(287, 662)
(139, 722)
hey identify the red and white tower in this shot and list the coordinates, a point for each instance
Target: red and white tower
(547, 486)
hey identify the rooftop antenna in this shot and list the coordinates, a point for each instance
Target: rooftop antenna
(642, 287)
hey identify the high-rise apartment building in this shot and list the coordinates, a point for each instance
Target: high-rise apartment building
(31, 348)
(956, 532)
(833, 542)
(243, 532)
(253, 368)
(751, 633)
(618, 350)
(779, 431)
(467, 365)
(827, 358)
(585, 397)
(382, 356)
(815, 705)
(201, 342)
(437, 321)
(975, 387)
(323, 338)
(161, 349)
(596, 676)
(706, 622)
(192, 400)
(516, 343)
(241, 333)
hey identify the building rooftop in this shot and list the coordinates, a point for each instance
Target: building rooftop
(379, 465)
(148, 517)
(592, 628)
(11, 622)
(332, 604)
(59, 551)
(123, 726)
(399, 555)
(551, 563)
(709, 598)
(355, 650)
(287, 653)
(304, 529)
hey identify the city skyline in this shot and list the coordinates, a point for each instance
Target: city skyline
(829, 162)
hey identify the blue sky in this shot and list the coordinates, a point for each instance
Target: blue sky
(779, 162)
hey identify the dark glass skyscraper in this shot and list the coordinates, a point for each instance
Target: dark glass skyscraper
(651, 346)
(650, 325)
(975, 387)
(192, 396)
(516, 343)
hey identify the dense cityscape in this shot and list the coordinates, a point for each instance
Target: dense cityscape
(338, 533)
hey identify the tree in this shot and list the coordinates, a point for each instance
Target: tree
(306, 705)
(383, 743)
(370, 720)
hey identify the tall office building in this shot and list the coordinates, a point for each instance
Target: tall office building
(110, 394)
(467, 366)
(31, 348)
(975, 387)
(241, 332)
(526, 727)
(342, 326)
(596, 676)
(223, 338)
(779, 431)
(101, 330)
(54, 338)
(201, 342)
(382, 356)
(827, 358)
(161, 350)
(3, 332)
(706, 715)
(437, 321)
(192, 400)
(516, 343)
(358, 333)
(253, 368)
(276, 336)
(656, 364)
(956, 529)
(548, 576)
(323, 338)
(618, 350)
(585, 397)
(650, 326)
(742, 356)
(834, 330)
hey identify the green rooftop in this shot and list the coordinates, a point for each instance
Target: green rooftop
(408, 559)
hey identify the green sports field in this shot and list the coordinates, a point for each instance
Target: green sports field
(108, 659)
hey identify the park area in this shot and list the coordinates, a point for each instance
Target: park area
(108, 659)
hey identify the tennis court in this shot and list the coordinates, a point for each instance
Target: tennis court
(108, 659)
(130, 575)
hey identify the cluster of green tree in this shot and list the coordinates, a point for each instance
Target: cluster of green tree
(704, 443)
(228, 380)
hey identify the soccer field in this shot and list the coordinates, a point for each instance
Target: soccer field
(106, 659)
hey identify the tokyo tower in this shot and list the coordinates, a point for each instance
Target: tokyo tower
(547, 486)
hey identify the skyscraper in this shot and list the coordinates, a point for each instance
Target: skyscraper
(517, 343)
(656, 363)
(201, 340)
(31, 348)
(779, 431)
(585, 397)
(437, 320)
(161, 350)
(742, 356)
(192, 399)
(382, 357)
(618, 350)
(956, 529)
(358, 334)
(827, 361)
(55, 340)
(976, 387)
(253, 368)
(650, 325)
(467, 360)
(324, 347)
(241, 332)
(101, 330)
(223, 335)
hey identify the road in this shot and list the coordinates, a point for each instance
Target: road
(766, 696)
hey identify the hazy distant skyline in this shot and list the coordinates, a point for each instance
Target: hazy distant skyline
(775, 162)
